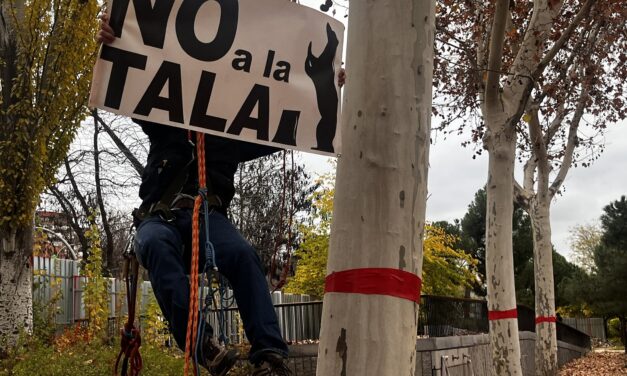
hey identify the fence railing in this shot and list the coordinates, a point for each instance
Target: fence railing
(444, 316)
(58, 281)
(299, 317)
(592, 326)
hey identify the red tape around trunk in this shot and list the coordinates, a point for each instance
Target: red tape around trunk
(378, 281)
(502, 315)
(541, 319)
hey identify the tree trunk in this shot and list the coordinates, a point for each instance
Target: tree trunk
(381, 187)
(499, 252)
(546, 335)
(623, 333)
(109, 258)
(16, 300)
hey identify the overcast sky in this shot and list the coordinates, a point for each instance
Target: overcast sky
(454, 177)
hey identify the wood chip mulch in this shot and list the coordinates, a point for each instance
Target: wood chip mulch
(596, 364)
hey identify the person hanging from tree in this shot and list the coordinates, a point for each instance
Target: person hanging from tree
(164, 236)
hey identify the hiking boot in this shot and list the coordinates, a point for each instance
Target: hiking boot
(216, 358)
(272, 364)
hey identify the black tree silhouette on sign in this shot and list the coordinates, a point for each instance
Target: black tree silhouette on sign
(321, 71)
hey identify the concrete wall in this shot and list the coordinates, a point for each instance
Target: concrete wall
(470, 355)
(461, 355)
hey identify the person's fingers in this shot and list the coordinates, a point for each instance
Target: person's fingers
(106, 28)
(106, 34)
(105, 37)
(341, 77)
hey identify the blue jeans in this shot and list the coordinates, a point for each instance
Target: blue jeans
(164, 249)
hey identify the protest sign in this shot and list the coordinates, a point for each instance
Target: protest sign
(262, 71)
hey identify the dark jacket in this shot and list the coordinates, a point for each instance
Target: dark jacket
(170, 151)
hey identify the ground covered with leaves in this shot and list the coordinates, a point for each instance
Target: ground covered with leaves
(73, 353)
(597, 364)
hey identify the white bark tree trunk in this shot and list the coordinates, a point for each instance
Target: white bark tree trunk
(381, 187)
(546, 335)
(499, 112)
(16, 300)
(504, 337)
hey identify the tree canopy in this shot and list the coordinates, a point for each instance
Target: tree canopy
(610, 259)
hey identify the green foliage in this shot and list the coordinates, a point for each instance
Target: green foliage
(584, 239)
(86, 359)
(566, 274)
(45, 314)
(610, 259)
(313, 251)
(46, 61)
(613, 328)
(446, 271)
(95, 293)
(155, 328)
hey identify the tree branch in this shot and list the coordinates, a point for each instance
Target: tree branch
(137, 165)
(583, 12)
(68, 209)
(77, 191)
(570, 145)
(100, 201)
(497, 39)
(538, 148)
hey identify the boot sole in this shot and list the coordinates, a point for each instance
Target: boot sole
(226, 364)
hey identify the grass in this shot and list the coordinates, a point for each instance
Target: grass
(84, 359)
(73, 353)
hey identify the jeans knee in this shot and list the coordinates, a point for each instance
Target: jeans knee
(154, 237)
(246, 254)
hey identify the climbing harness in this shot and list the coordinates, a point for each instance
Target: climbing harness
(130, 335)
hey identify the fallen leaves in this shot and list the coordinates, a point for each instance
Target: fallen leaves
(597, 364)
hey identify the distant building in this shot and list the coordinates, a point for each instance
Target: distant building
(52, 225)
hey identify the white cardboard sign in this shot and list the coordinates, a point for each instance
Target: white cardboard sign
(262, 71)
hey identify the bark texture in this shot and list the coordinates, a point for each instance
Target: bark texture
(504, 338)
(16, 300)
(546, 335)
(381, 187)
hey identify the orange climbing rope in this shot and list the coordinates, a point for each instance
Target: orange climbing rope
(192, 319)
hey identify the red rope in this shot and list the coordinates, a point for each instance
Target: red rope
(192, 319)
(130, 336)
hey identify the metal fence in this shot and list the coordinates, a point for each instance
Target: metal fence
(58, 282)
(299, 317)
(592, 326)
(444, 316)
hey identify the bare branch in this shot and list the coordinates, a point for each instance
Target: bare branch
(137, 165)
(522, 196)
(583, 12)
(570, 145)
